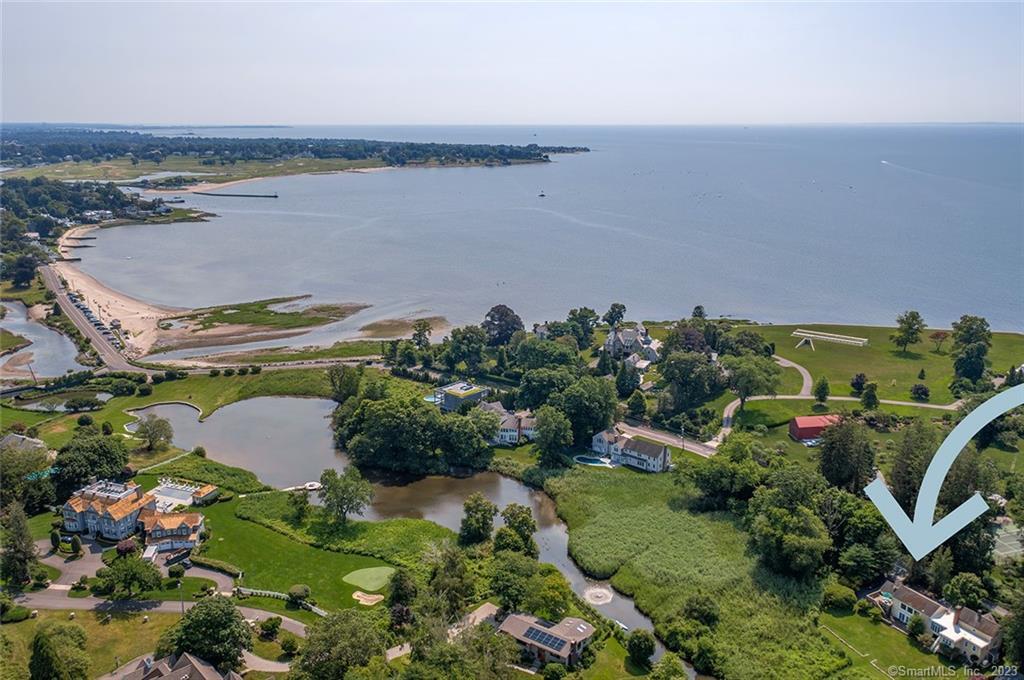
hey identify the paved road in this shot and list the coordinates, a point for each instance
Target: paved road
(808, 382)
(58, 599)
(110, 357)
(667, 438)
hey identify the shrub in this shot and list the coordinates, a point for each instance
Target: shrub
(127, 547)
(55, 539)
(861, 607)
(243, 371)
(554, 671)
(158, 378)
(199, 451)
(176, 571)
(255, 370)
(39, 574)
(214, 372)
(76, 545)
(225, 496)
(920, 392)
(84, 420)
(289, 645)
(14, 614)
(145, 390)
(915, 626)
(298, 593)
(219, 565)
(875, 615)
(837, 596)
(228, 372)
(269, 628)
(107, 428)
(81, 584)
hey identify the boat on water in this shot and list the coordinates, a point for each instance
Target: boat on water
(542, 194)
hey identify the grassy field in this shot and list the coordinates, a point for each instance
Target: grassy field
(880, 643)
(273, 561)
(121, 169)
(280, 313)
(32, 295)
(612, 663)
(206, 393)
(12, 342)
(9, 416)
(339, 350)
(766, 620)
(280, 607)
(200, 469)
(109, 644)
(893, 370)
(398, 541)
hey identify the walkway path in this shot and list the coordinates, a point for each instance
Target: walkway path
(805, 375)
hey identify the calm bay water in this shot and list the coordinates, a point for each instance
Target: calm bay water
(52, 354)
(778, 224)
(287, 441)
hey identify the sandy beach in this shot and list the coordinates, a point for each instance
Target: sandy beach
(139, 320)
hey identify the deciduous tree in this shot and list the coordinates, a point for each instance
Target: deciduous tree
(477, 519)
(909, 327)
(344, 494)
(500, 323)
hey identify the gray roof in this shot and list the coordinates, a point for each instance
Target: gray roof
(644, 448)
(22, 443)
(183, 667)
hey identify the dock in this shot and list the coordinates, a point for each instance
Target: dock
(210, 193)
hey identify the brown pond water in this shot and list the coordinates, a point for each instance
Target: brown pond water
(288, 441)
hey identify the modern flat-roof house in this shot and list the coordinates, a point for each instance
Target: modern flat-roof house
(549, 642)
(452, 396)
(957, 630)
(625, 449)
(205, 494)
(806, 428)
(115, 511)
(515, 427)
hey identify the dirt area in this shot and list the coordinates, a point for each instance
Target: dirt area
(387, 329)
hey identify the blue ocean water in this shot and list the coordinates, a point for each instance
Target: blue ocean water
(779, 224)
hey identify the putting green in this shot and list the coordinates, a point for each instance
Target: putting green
(373, 578)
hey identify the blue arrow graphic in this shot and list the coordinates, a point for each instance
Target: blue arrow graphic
(920, 535)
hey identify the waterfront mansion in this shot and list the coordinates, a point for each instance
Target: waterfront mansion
(636, 452)
(115, 511)
(626, 342)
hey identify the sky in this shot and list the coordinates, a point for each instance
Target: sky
(511, 63)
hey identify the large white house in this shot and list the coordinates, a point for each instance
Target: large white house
(957, 630)
(115, 511)
(515, 427)
(625, 342)
(625, 449)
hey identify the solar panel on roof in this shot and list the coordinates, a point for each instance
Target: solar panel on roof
(546, 639)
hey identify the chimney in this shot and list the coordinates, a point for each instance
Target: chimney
(956, 615)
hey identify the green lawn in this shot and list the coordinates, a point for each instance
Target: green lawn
(766, 620)
(272, 561)
(280, 607)
(33, 294)
(271, 649)
(39, 524)
(375, 578)
(880, 643)
(894, 371)
(205, 470)
(120, 169)
(397, 541)
(206, 393)
(109, 644)
(776, 414)
(9, 416)
(612, 663)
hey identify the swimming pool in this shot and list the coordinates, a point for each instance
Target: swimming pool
(590, 460)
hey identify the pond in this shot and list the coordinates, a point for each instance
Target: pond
(278, 439)
(51, 354)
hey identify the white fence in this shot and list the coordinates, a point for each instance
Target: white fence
(280, 596)
(829, 337)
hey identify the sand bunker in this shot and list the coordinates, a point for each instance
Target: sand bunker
(366, 600)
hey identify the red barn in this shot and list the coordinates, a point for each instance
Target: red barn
(803, 428)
